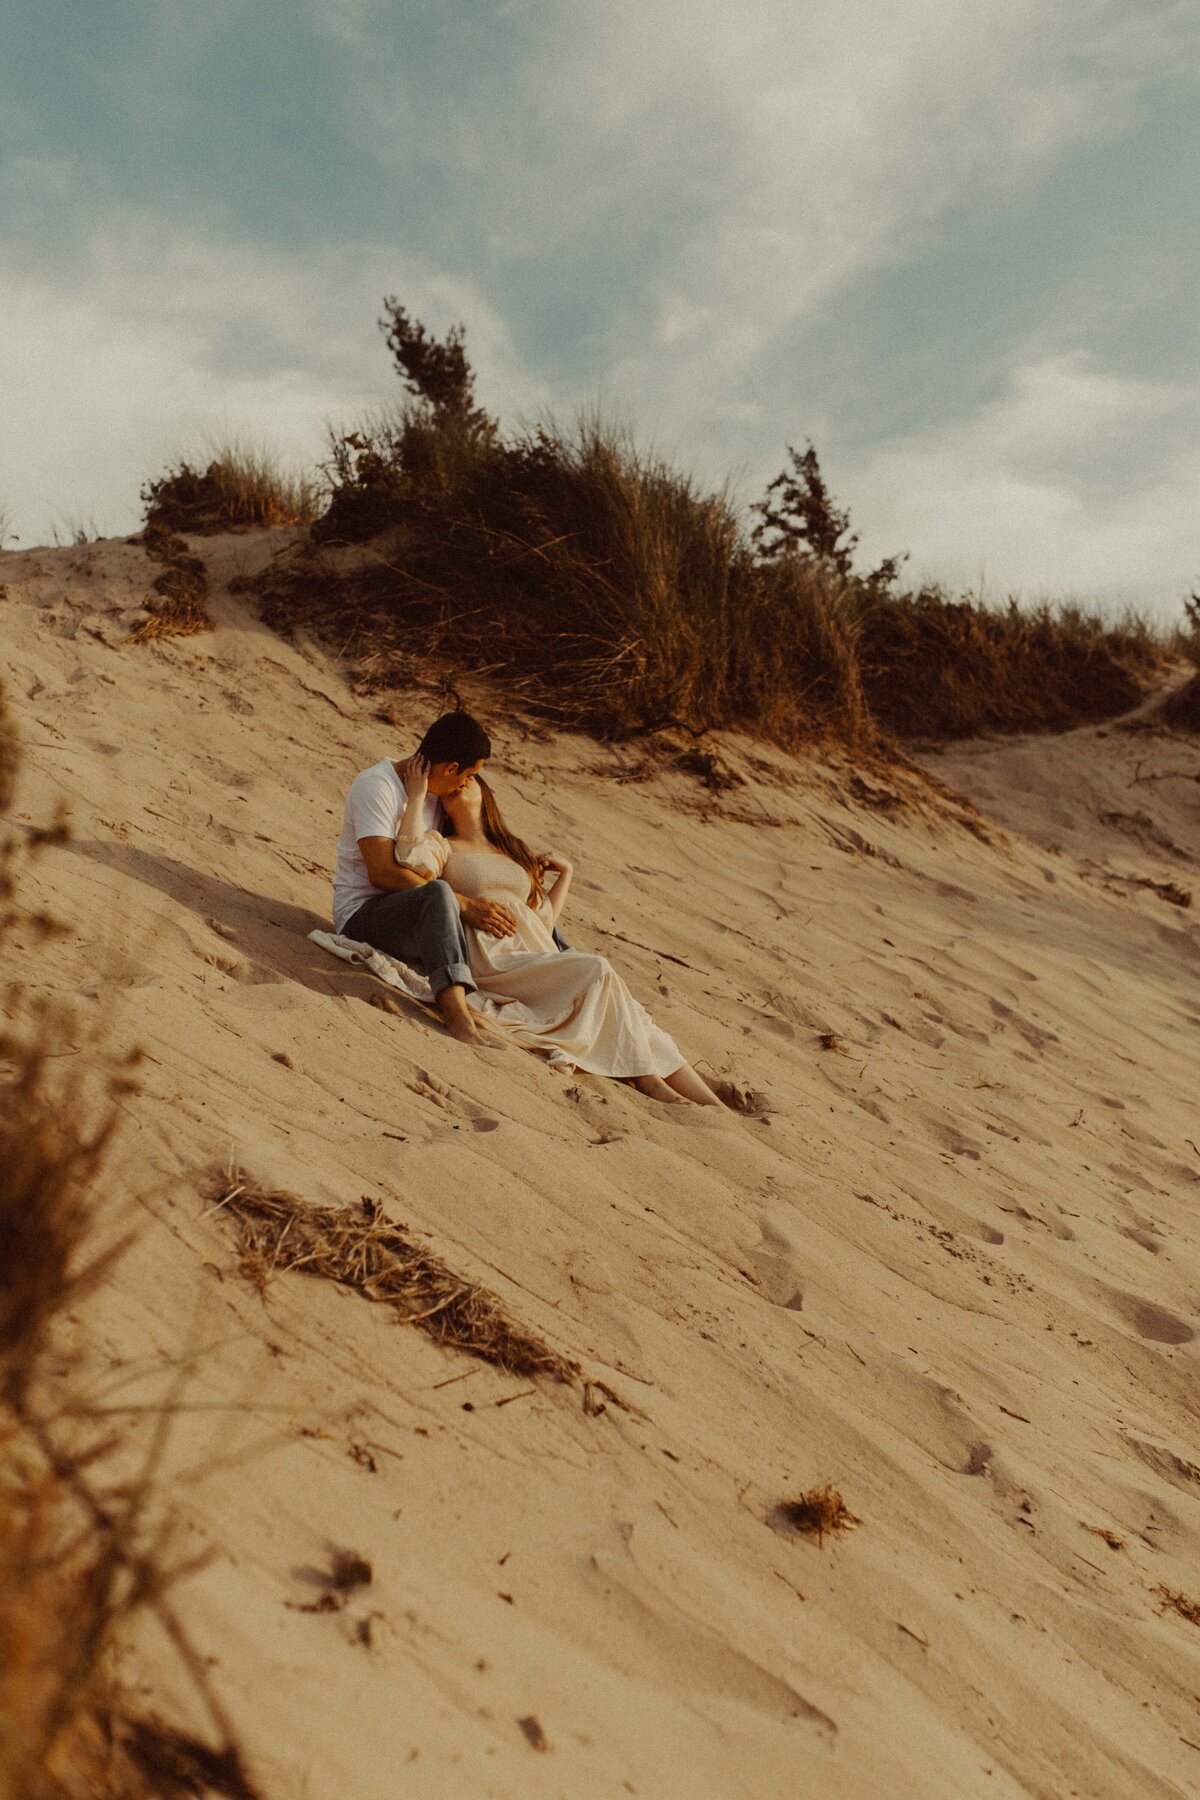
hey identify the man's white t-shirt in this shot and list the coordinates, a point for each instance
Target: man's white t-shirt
(373, 808)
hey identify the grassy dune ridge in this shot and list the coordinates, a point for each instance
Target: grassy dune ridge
(613, 593)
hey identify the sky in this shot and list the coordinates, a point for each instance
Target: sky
(957, 246)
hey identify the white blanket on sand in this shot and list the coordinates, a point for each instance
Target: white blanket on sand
(388, 969)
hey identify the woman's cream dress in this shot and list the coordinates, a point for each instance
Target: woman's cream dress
(572, 1006)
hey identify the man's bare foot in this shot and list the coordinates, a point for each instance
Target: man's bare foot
(463, 1025)
(476, 1032)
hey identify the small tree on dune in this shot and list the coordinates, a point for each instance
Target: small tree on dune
(434, 370)
(798, 517)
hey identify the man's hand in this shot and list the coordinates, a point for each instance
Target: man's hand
(487, 915)
(415, 775)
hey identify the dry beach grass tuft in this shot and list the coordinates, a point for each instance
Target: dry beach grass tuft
(360, 1248)
(820, 1512)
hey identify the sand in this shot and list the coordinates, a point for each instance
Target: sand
(955, 1271)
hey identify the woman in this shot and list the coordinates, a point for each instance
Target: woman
(572, 1006)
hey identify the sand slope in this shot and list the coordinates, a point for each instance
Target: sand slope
(957, 1272)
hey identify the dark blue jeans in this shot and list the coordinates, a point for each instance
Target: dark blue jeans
(421, 926)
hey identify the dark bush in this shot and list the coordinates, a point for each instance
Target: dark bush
(933, 667)
(238, 488)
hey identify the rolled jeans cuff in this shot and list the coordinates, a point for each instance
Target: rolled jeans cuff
(455, 974)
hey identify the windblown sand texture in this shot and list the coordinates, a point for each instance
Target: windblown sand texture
(954, 1273)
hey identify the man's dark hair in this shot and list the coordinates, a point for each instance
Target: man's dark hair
(458, 738)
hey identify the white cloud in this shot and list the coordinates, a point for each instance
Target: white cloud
(161, 343)
(768, 153)
(727, 174)
(1074, 482)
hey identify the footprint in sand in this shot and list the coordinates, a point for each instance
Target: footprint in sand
(979, 1460)
(945, 1132)
(1034, 1036)
(1148, 1240)
(1152, 1322)
(255, 988)
(1132, 1178)
(938, 1419)
(110, 966)
(255, 975)
(438, 1093)
(1168, 1463)
(589, 1106)
(777, 1267)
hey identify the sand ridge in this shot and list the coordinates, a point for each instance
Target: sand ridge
(956, 1270)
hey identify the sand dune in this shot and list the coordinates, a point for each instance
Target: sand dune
(955, 1270)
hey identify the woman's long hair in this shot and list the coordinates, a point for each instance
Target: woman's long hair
(501, 838)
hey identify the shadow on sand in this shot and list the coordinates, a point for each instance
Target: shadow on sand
(269, 932)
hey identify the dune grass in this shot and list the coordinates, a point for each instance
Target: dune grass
(1182, 710)
(179, 607)
(601, 587)
(615, 594)
(237, 488)
(936, 667)
(612, 593)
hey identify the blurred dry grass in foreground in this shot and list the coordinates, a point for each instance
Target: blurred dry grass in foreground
(83, 1535)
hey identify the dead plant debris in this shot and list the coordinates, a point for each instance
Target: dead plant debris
(1170, 891)
(361, 1248)
(829, 1040)
(820, 1512)
(534, 1732)
(1112, 1538)
(1170, 1599)
(348, 1571)
(180, 608)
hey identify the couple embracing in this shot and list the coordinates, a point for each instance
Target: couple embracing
(428, 872)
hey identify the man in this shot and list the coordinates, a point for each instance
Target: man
(396, 910)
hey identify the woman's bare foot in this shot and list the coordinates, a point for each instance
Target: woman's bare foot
(741, 1099)
(691, 1086)
(654, 1089)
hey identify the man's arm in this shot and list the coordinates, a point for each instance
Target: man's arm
(383, 871)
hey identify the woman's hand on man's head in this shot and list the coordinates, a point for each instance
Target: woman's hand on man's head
(415, 775)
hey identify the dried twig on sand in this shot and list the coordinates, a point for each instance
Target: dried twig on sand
(819, 1512)
(362, 1249)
